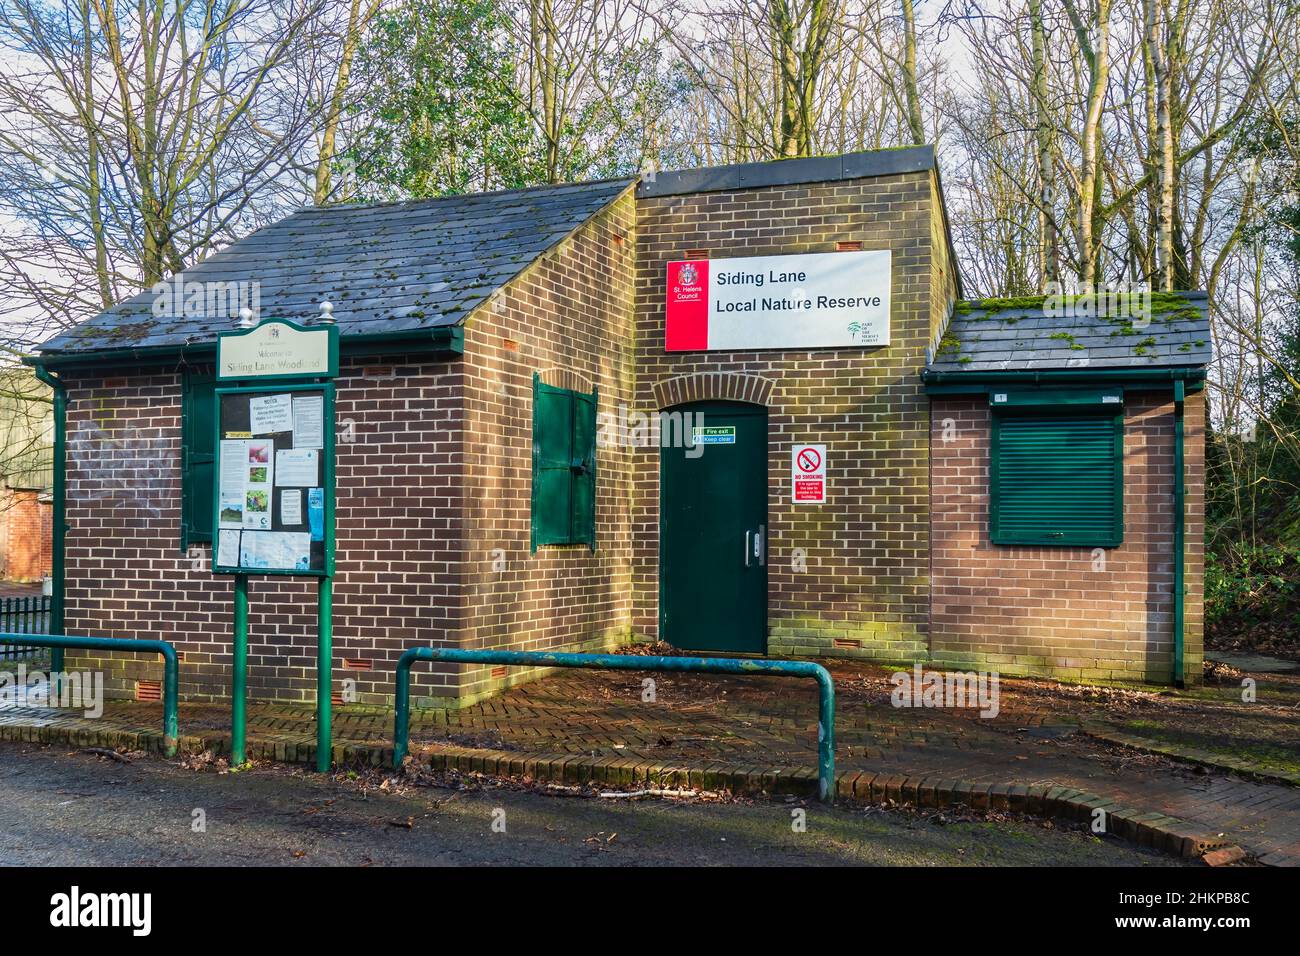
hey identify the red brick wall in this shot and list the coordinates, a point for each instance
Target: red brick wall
(27, 526)
(426, 517)
(399, 533)
(865, 590)
(569, 318)
(1065, 610)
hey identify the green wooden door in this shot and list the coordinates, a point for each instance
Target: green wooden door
(713, 533)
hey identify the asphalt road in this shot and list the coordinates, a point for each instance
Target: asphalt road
(74, 808)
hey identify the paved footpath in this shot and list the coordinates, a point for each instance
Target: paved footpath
(752, 734)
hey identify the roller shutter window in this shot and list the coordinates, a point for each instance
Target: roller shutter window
(1057, 479)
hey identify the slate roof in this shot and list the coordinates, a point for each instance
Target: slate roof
(995, 335)
(385, 267)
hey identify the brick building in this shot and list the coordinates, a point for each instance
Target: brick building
(988, 484)
(26, 475)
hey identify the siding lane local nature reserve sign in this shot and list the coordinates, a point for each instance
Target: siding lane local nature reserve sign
(819, 300)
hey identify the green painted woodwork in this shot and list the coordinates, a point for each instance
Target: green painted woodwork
(326, 391)
(198, 456)
(564, 466)
(713, 547)
(332, 350)
(1077, 398)
(1180, 533)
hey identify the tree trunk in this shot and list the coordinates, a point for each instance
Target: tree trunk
(787, 74)
(1049, 269)
(1097, 56)
(546, 69)
(915, 125)
(1163, 147)
(357, 20)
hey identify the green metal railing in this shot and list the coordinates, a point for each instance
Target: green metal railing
(61, 642)
(23, 615)
(697, 665)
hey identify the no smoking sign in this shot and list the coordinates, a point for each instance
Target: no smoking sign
(808, 474)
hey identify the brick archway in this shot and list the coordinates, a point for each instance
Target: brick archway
(713, 386)
(565, 378)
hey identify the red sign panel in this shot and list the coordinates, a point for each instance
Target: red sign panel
(687, 327)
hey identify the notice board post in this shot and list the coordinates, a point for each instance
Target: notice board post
(274, 486)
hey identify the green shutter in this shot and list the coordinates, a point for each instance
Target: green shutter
(583, 518)
(1057, 479)
(552, 484)
(198, 456)
(564, 466)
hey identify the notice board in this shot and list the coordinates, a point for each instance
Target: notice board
(275, 480)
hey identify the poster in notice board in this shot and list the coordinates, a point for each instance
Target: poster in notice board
(274, 481)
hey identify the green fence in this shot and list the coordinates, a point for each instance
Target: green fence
(23, 615)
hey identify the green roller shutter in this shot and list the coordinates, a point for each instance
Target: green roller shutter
(564, 466)
(1057, 479)
(198, 456)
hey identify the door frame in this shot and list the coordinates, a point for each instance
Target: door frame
(734, 407)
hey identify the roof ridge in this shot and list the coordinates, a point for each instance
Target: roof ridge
(461, 197)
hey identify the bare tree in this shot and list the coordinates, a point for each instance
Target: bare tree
(582, 72)
(135, 140)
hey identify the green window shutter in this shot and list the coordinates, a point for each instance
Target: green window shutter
(198, 456)
(564, 466)
(1057, 479)
(583, 470)
(552, 483)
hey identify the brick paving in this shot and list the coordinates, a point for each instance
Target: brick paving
(716, 732)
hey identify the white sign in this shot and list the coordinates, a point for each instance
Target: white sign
(808, 474)
(291, 506)
(274, 348)
(270, 413)
(818, 300)
(308, 421)
(296, 466)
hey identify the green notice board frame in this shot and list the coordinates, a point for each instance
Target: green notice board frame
(274, 358)
(230, 401)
